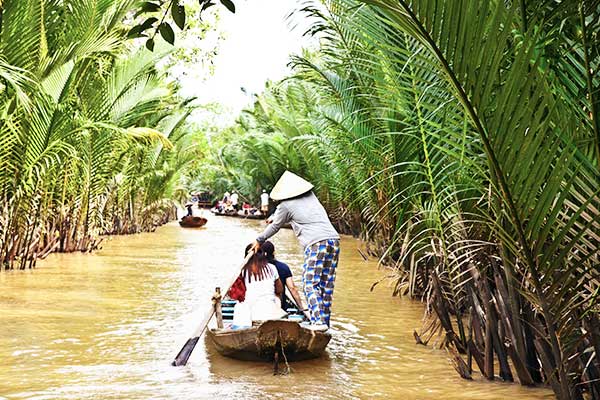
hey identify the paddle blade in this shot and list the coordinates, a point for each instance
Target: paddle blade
(185, 352)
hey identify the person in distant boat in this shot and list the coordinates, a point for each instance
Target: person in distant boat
(262, 300)
(264, 202)
(234, 200)
(300, 207)
(246, 208)
(189, 209)
(285, 276)
(226, 197)
(254, 211)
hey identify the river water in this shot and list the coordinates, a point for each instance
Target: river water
(107, 325)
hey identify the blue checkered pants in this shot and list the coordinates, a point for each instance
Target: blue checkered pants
(320, 262)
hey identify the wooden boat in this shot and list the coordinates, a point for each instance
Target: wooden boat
(192, 222)
(203, 199)
(215, 211)
(265, 341)
(257, 215)
(237, 214)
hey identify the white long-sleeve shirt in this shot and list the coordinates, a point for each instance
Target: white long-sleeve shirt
(264, 199)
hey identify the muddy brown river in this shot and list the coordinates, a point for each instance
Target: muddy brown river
(107, 325)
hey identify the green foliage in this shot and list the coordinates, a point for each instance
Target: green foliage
(92, 139)
(159, 10)
(178, 14)
(229, 4)
(467, 152)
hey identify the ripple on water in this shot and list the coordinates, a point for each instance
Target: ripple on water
(107, 325)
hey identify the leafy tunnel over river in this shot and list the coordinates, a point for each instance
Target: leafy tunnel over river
(459, 138)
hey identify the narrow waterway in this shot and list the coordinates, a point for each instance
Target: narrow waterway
(106, 326)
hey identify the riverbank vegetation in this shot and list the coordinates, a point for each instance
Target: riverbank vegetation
(461, 139)
(90, 139)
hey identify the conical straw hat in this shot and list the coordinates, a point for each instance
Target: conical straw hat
(290, 185)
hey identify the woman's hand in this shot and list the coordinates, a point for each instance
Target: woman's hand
(255, 246)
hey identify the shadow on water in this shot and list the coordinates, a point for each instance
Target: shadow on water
(107, 325)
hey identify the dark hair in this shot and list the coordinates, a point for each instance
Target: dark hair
(269, 250)
(257, 266)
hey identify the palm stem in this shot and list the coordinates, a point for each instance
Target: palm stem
(594, 111)
(524, 15)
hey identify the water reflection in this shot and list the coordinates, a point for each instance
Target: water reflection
(106, 326)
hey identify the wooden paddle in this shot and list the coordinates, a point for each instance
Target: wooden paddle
(186, 351)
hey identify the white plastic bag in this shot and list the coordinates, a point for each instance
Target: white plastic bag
(267, 309)
(242, 317)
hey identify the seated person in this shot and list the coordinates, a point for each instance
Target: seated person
(263, 292)
(254, 211)
(285, 276)
(246, 207)
(229, 208)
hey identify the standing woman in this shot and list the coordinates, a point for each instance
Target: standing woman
(300, 207)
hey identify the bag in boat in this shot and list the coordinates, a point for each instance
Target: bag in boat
(237, 290)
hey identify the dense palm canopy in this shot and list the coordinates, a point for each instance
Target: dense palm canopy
(90, 138)
(461, 137)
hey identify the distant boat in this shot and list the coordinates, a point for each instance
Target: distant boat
(192, 222)
(238, 214)
(203, 199)
(231, 213)
(246, 214)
